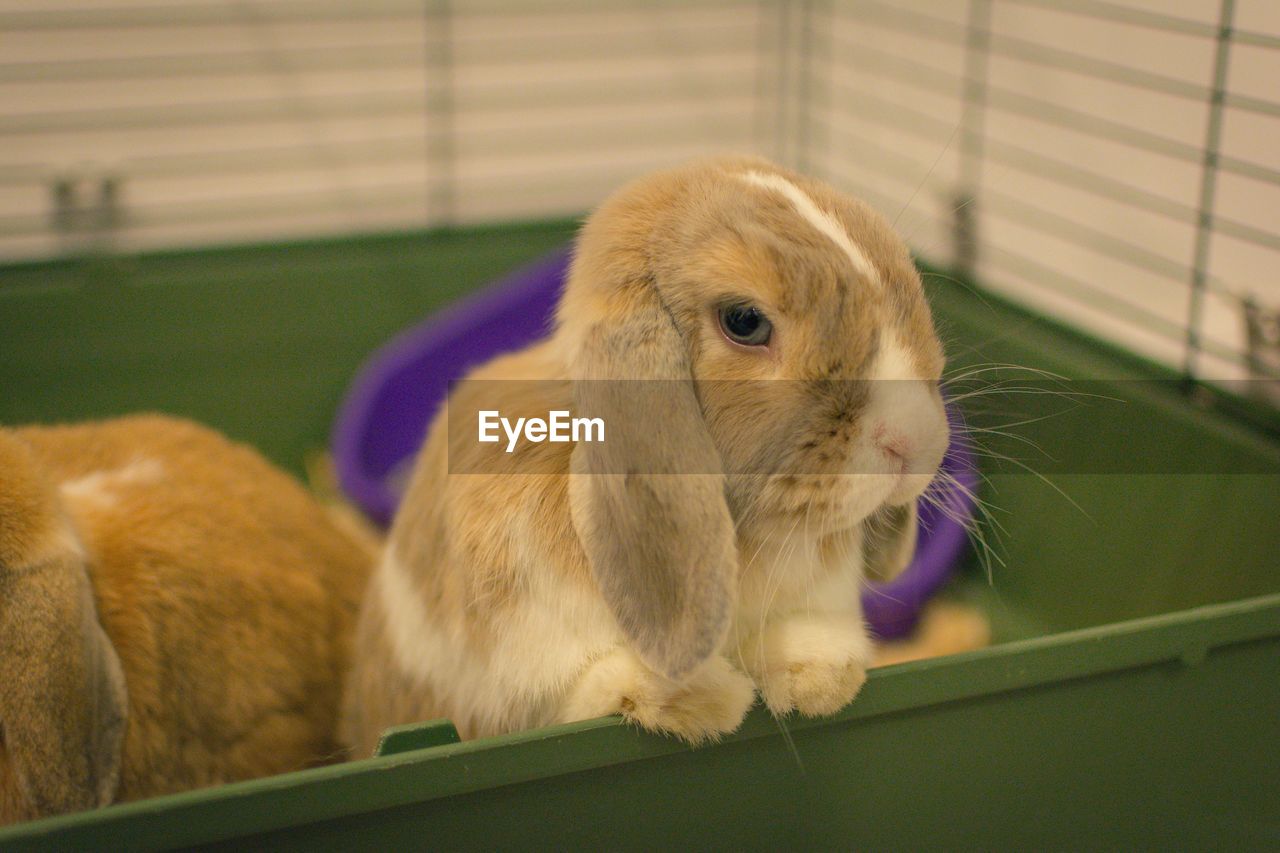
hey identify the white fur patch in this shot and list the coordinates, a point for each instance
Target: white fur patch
(818, 218)
(906, 405)
(904, 402)
(831, 638)
(903, 399)
(788, 574)
(103, 487)
(893, 361)
(539, 649)
(798, 608)
(405, 620)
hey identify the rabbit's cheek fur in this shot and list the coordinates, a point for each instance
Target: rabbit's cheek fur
(870, 443)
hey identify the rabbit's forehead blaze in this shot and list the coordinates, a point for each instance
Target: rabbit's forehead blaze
(817, 218)
(883, 288)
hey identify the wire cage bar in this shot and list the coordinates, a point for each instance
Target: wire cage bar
(1107, 161)
(1092, 141)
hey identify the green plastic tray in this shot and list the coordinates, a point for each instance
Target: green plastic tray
(1132, 695)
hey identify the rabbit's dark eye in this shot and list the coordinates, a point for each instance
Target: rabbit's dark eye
(746, 325)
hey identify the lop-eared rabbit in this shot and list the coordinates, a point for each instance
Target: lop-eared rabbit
(759, 348)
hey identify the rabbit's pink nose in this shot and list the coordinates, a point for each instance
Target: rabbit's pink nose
(891, 442)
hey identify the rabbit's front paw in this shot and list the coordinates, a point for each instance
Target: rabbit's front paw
(814, 665)
(710, 703)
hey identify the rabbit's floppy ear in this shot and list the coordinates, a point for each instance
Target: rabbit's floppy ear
(889, 541)
(648, 502)
(63, 705)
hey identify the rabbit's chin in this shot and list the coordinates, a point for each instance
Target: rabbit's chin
(820, 504)
(887, 491)
(908, 488)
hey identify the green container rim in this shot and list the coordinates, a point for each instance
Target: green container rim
(1187, 637)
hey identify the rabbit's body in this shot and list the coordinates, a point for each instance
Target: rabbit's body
(526, 619)
(467, 630)
(225, 592)
(671, 570)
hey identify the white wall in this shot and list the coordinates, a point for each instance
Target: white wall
(249, 120)
(262, 119)
(1089, 190)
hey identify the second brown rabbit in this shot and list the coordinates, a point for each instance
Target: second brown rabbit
(174, 613)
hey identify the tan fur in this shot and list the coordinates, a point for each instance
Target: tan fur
(376, 694)
(524, 478)
(657, 533)
(227, 592)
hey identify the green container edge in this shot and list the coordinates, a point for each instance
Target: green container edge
(420, 775)
(1188, 637)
